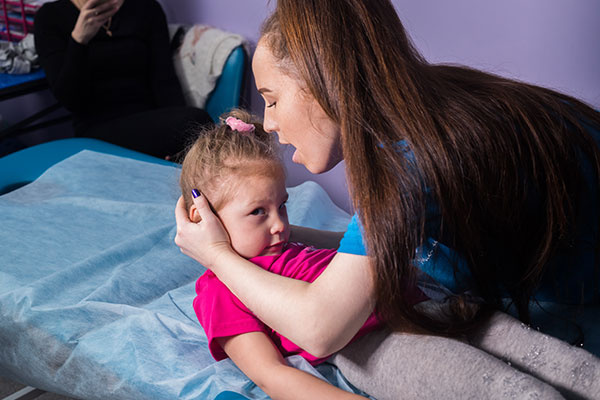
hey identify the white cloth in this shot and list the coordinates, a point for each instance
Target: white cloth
(200, 59)
(18, 58)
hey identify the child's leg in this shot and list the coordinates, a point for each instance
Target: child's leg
(397, 365)
(571, 370)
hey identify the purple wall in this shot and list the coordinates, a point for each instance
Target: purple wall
(554, 43)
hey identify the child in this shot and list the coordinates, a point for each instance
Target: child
(237, 167)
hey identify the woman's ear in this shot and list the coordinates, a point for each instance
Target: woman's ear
(194, 214)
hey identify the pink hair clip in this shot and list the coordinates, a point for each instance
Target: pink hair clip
(239, 125)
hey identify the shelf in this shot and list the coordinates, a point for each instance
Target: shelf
(16, 19)
(12, 35)
(17, 3)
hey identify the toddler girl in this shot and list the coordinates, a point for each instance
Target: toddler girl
(236, 166)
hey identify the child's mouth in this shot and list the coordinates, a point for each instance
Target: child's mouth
(274, 248)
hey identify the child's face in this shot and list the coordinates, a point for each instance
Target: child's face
(256, 216)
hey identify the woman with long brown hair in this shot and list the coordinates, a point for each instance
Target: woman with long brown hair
(475, 187)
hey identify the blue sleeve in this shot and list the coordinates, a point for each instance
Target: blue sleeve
(352, 242)
(433, 258)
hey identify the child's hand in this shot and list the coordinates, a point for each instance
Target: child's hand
(204, 241)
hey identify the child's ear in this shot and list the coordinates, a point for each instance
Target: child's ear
(194, 214)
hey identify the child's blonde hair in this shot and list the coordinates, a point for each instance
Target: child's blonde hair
(220, 153)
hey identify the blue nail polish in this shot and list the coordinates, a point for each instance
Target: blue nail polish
(195, 193)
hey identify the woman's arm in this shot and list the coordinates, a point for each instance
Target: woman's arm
(256, 355)
(320, 317)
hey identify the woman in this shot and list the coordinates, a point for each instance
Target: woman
(109, 62)
(475, 185)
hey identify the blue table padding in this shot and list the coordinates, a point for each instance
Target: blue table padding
(8, 80)
(24, 166)
(96, 299)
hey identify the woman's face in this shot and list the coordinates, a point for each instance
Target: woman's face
(295, 115)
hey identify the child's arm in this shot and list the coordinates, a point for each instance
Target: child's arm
(256, 355)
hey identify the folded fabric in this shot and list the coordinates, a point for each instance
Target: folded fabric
(200, 59)
(19, 58)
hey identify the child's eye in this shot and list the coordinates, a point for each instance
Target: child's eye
(272, 104)
(282, 206)
(258, 211)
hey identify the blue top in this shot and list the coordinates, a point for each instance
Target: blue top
(434, 259)
(437, 262)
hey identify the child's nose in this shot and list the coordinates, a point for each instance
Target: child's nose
(277, 226)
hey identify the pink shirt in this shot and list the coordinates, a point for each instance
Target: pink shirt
(221, 314)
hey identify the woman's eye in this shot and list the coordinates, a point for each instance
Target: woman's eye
(258, 211)
(272, 104)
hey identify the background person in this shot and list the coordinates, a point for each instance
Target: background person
(109, 62)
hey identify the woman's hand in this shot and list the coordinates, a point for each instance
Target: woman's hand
(204, 241)
(92, 15)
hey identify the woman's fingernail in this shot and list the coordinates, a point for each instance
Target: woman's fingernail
(195, 193)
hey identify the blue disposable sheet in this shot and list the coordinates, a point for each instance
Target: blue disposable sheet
(96, 299)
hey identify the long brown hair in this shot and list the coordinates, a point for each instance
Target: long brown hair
(500, 158)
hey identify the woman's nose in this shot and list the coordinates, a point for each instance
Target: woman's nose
(269, 124)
